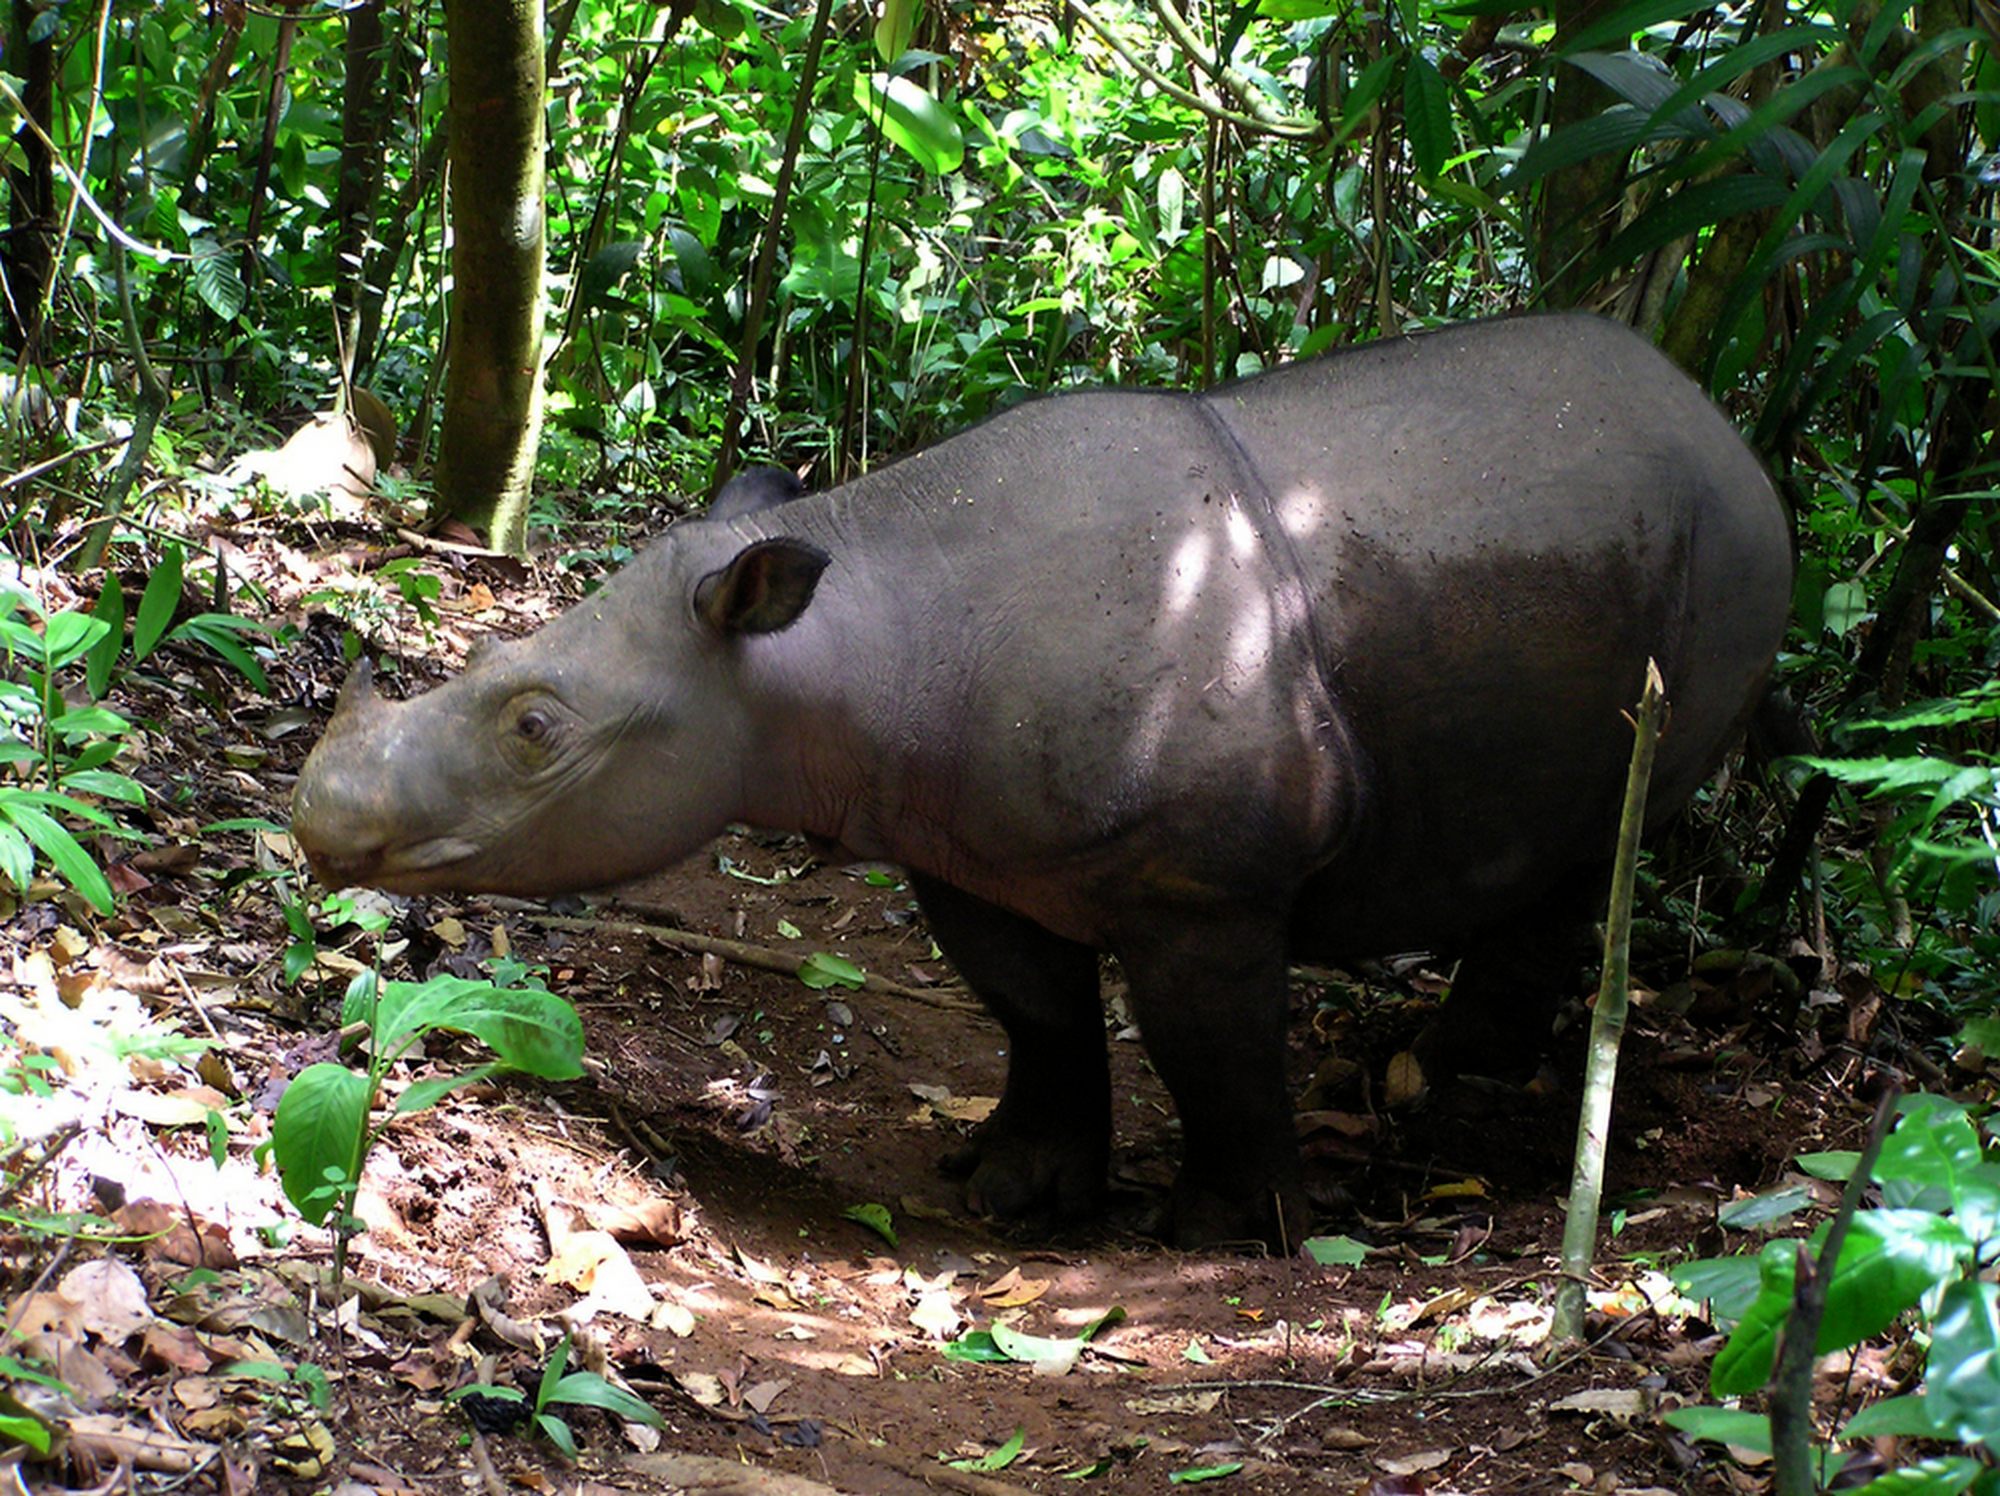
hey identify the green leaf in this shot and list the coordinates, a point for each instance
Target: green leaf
(426, 1093)
(1336, 1251)
(18, 1428)
(317, 1136)
(106, 785)
(1908, 1417)
(73, 865)
(527, 1029)
(69, 636)
(158, 603)
(1194, 1473)
(822, 970)
(1888, 1261)
(218, 632)
(912, 119)
(1946, 1475)
(558, 1434)
(1845, 606)
(876, 1218)
(1622, 24)
(894, 28)
(976, 1346)
(1427, 113)
(1762, 1210)
(104, 654)
(1052, 1354)
(17, 857)
(1963, 1374)
(998, 1459)
(1835, 1164)
(586, 1389)
(1750, 1431)
(217, 280)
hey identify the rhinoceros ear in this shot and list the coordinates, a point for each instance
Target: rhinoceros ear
(764, 589)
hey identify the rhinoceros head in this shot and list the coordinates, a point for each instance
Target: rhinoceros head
(608, 745)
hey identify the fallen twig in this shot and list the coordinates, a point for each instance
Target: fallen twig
(763, 958)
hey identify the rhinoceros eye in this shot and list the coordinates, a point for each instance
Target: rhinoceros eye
(532, 730)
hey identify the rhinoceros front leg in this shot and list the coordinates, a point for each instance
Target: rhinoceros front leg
(1045, 1150)
(1211, 999)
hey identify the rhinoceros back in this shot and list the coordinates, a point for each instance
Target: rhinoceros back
(1500, 523)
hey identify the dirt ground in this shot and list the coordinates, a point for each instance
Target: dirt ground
(766, 1111)
(696, 1213)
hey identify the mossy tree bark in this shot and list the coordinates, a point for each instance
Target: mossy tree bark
(1578, 203)
(493, 387)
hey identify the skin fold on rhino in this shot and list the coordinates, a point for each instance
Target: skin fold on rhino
(1325, 663)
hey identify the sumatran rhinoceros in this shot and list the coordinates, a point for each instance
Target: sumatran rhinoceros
(1327, 662)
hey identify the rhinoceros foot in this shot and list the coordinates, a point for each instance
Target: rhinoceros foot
(1021, 1172)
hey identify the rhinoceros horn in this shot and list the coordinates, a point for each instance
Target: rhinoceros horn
(357, 700)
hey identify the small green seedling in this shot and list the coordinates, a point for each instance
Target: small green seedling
(583, 1389)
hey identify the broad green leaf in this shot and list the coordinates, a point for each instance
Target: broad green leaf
(66, 855)
(1845, 606)
(18, 1428)
(1052, 1354)
(17, 857)
(1935, 1146)
(1336, 1251)
(1836, 1164)
(876, 1218)
(317, 1136)
(822, 970)
(998, 1459)
(1690, 210)
(158, 604)
(894, 28)
(104, 654)
(913, 120)
(1889, 1259)
(217, 280)
(558, 1434)
(528, 1030)
(106, 785)
(1194, 1474)
(977, 1346)
(68, 636)
(425, 1093)
(1908, 1417)
(586, 1389)
(1426, 113)
(1625, 22)
(1762, 1210)
(1946, 1475)
(1963, 1374)
(1750, 1431)
(218, 632)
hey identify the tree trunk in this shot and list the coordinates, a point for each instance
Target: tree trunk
(31, 192)
(364, 115)
(493, 388)
(1576, 213)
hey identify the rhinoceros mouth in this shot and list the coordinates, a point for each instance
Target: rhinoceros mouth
(411, 867)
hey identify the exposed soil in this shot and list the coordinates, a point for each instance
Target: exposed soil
(686, 1211)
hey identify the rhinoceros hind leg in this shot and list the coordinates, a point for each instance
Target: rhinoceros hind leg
(1210, 997)
(1044, 1152)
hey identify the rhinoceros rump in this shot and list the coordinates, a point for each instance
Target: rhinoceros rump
(1327, 662)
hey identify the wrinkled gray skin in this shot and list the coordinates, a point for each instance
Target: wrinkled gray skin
(1323, 663)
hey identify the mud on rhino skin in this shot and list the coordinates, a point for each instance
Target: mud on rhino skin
(1327, 662)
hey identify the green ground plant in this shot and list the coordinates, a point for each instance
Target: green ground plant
(1926, 1250)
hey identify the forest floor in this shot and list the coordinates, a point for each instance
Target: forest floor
(688, 1212)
